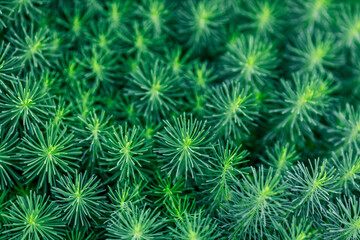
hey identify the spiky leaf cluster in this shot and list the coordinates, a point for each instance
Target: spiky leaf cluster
(257, 202)
(184, 146)
(34, 217)
(193, 119)
(49, 154)
(232, 109)
(79, 198)
(136, 223)
(300, 104)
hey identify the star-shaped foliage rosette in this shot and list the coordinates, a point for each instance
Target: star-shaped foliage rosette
(170, 119)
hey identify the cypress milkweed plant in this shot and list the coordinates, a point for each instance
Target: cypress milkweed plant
(179, 119)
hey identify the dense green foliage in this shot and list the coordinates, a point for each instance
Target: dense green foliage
(179, 119)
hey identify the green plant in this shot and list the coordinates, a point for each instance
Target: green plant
(300, 104)
(75, 234)
(34, 217)
(344, 129)
(162, 119)
(311, 187)
(196, 226)
(117, 12)
(232, 109)
(4, 203)
(348, 24)
(79, 199)
(153, 87)
(201, 75)
(223, 172)
(257, 202)
(8, 164)
(264, 17)
(183, 146)
(179, 206)
(136, 223)
(311, 14)
(166, 189)
(74, 22)
(138, 40)
(343, 220)
(33, 47)
(316, 52)
(23, 103)
(49, 154)
(280, 156)
(93, 133)
(297, 228)
(347, 165)
(99, 67)
(156, 14)
(250, 59)
(9, 64)
(126, 153)
(201, 24)
(124, 195)
(20, 11)
(177, 58)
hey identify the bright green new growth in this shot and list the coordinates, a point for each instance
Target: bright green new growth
(127, 152)
(100, 67)
(232, 109)
(34, 217)
(166, 190)
(23, 103)
(310, 14)
(183, 147)
(299, 105)
(177, 58)
(201, 25)
(103, 39)
(49, 154)
(314, 53)
(347, 165)
(348, 23)
(280, 156)
(156, 15)
(136, 223)
(311, 187)
(196, 226)
(193, 119)
(61, 112)
(124, 195)
(153, 87)
(250, 59)
(223, 172)
(93, 132)
(79, 199)
(257, 202)
(138, 40)
(9, 64)
(345, 128)
(33, 49)
(117, 13)
(179, 206)
(201, 75)
(74, 23)
(265, 17)
(343, 220)
(8, 163)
